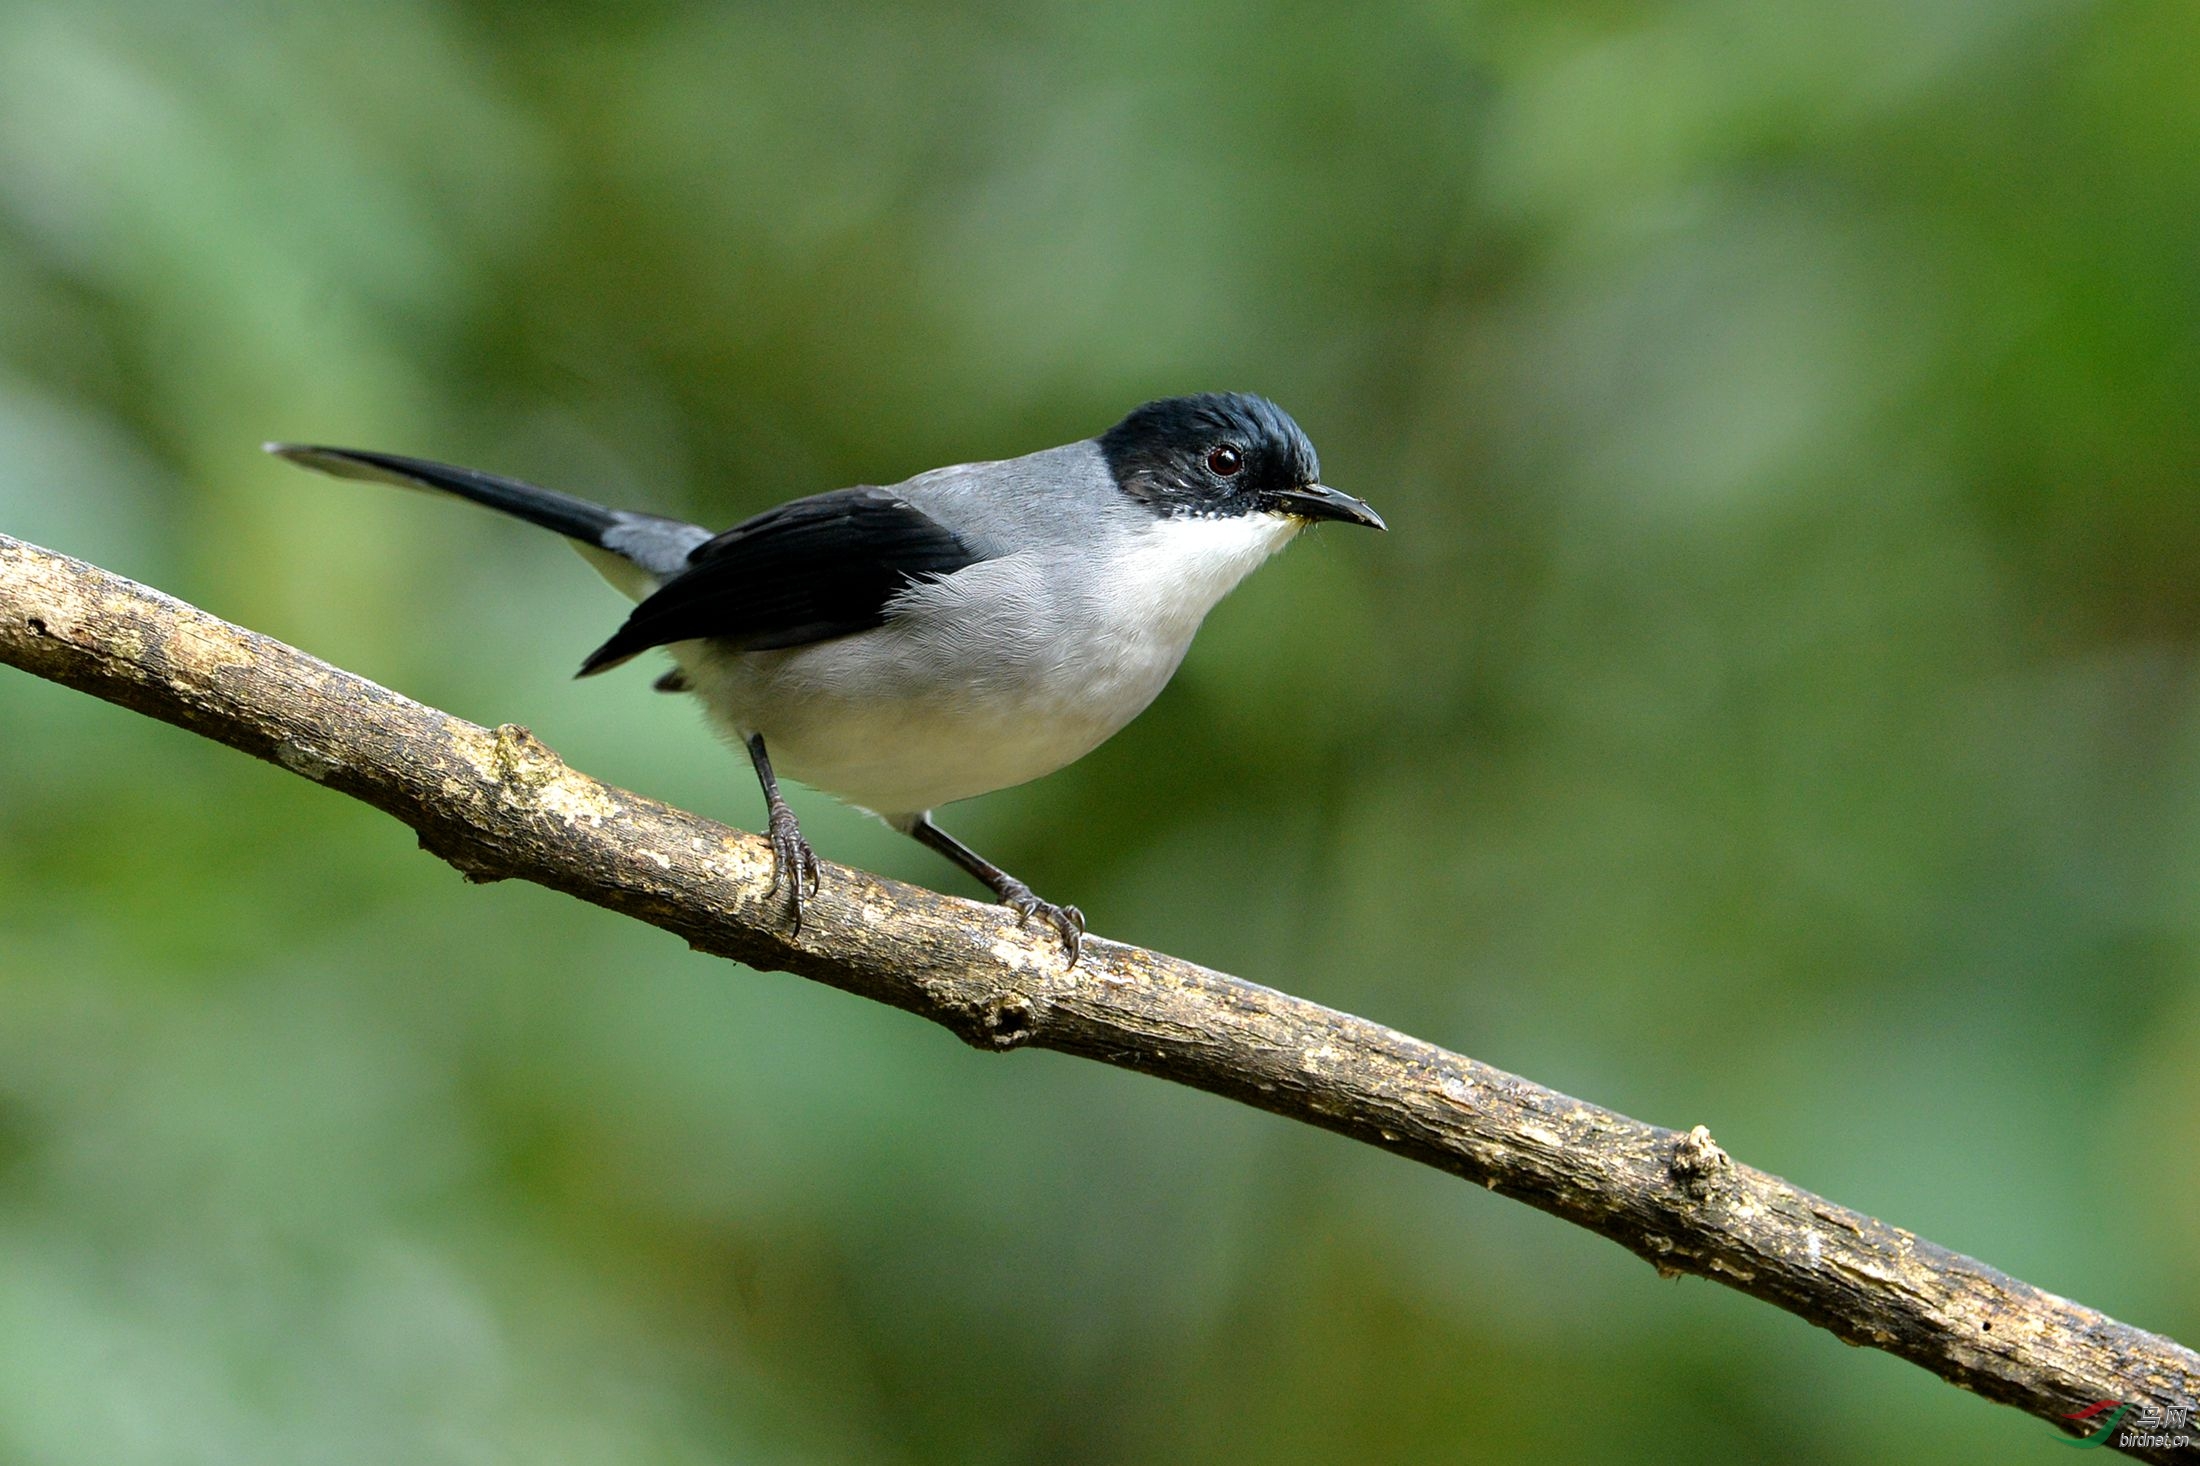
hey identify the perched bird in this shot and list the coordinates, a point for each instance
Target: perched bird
(958, 632)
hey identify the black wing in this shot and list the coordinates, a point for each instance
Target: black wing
(807, 571)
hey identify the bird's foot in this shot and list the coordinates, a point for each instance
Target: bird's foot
(794, 863)
(1067, 920)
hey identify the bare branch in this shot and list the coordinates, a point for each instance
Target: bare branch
(498, 804)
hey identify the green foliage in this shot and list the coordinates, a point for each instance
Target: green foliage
(1775, 706)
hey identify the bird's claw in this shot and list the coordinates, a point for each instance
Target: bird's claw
(1068, 921)
(794, 863)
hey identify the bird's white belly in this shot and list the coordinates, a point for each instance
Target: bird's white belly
(860, 719)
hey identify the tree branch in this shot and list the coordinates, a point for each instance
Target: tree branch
(498, 804)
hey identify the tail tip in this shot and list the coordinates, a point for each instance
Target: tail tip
(604, 658)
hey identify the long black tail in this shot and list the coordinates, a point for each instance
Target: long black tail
(586, 522)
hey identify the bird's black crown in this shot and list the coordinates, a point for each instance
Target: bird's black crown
(1218, 454)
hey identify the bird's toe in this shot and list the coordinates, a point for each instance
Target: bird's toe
(1067, 921)
(794, 864)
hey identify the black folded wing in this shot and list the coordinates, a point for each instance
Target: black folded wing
(807, 571)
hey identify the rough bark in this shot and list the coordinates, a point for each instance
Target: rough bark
(498, 804)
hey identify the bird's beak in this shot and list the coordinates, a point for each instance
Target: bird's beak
(1319, 501)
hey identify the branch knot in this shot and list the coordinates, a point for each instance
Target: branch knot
(1696, 1162)
(524, 760)
(1007, 1021)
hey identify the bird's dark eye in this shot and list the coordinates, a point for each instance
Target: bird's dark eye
(1224, 460)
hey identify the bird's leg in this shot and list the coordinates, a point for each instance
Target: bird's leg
(1014, 894)
(794, 863)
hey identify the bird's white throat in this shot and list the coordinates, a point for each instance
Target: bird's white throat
(1180, 567)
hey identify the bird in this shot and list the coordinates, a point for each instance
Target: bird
(974, 627)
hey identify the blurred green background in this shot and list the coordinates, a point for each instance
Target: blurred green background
(1775, 706)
